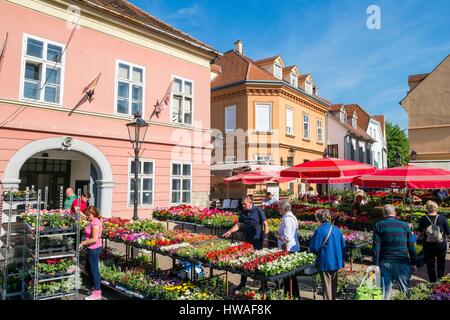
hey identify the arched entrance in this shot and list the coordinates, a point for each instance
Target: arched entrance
(104, 182)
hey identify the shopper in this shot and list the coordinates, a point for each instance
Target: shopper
(356, 209)
(433, 230)
(252, 221)
(329, 245)
(311, 192)
(93, 242)
(70, 197)
(287, 236)
(337, 201)
(442, 195)
(394, 251)
(81, 205)
(269, 200)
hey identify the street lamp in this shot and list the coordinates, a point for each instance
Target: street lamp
(413, 155)
(137, 129)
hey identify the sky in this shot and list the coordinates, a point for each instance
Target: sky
(330, 39)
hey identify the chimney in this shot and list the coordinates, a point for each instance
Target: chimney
(238, 47)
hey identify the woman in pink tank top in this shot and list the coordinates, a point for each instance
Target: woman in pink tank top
(93, 242)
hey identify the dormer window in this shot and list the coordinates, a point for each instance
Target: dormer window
(308, 87)
(354, 121)
(342, 116)
(294, 80)
(278, 71)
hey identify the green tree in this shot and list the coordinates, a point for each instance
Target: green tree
(397, 145)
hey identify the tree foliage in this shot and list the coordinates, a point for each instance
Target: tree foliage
(397, 145)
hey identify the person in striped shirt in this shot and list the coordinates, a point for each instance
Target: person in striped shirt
(394, 251)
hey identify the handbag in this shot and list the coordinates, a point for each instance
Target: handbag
(313, 269)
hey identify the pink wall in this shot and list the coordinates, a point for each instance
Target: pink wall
(89, 53)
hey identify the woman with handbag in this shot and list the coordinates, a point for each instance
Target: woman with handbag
(329, 245)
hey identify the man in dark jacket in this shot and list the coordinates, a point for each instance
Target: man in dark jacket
(394, 251)
(252, 221)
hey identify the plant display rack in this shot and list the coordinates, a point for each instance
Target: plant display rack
(51, 259)
(13, 204)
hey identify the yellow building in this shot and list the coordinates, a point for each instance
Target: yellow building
(265, 112)
(428, 106)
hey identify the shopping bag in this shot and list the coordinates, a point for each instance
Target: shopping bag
(370, 287)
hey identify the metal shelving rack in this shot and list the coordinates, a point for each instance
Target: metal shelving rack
(11, 243)
(35, 255)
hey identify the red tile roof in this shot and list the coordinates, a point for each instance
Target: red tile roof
(363, 116)
(130, 12)
(237, 68)
(417, 77)
(266, 60)
(360, 133)
(380, 119)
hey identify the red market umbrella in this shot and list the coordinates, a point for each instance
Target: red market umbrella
(258, 176)
(407, 176)
(329, 180)
(328, 168)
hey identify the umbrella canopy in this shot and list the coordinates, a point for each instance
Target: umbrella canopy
(258, 176)
(328, 168)
(329, 180)
(407, 176)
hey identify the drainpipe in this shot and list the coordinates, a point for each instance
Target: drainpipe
(326, 134)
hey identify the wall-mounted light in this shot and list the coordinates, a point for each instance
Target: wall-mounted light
(413, 155)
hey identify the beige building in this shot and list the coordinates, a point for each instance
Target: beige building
(428, 106)
(265, 112)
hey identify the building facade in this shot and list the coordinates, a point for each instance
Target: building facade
(73, 74)
(428, 106)
(265, 112)
(356, 135)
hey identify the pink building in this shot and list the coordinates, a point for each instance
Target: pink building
(51, 135)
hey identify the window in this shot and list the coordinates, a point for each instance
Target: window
(291, 187)
(43, 65)
(278, 72)
(354, 122)
(319, 131)
(182, 101)
(361, 154)
(230, 118)
(289, 121)
(145, 182)
(333, 151)
(342, 116)
(308, 87)
(130, 88)
(294, 80)
(306, 134)
(290, 161)
(181, 181)
(263, 117)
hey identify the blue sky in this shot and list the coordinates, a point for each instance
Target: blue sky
(327, 38)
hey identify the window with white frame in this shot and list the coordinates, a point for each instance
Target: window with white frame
(230, 118)
(130, 83)
(181, 182)
(182, 101)
(319, 131)
(306, 133)
(42, 70)
(277, 71)
(263, 117)
(342, 116)
(308, 87)
(354, 124)
(294, 80)
(145, 182)
(289, 121)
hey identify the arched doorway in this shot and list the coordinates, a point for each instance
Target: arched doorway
(100, 172)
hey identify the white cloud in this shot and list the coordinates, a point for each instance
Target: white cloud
(188, 15)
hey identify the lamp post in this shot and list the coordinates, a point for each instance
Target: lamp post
(137, 129)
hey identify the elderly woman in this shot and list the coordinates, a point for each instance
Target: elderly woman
(287, 236)
(329, 245)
